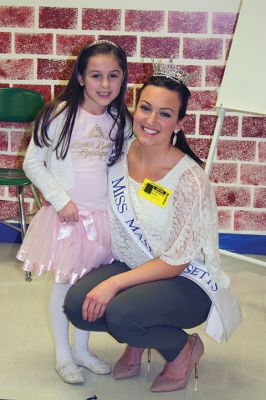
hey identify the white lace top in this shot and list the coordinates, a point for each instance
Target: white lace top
(184, 231)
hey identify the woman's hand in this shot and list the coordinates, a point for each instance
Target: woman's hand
(69, 213)
(97, 300)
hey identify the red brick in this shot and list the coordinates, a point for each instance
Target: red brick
(153, 47)
(8, 209)
(203, 49)
(144, 21)
(16, 69)
(54, 69)
(224, 218)
(34, 43)
(58, 89)
(250, 221)
(236, 150)
(58, 18)
(208, 123)
(72, 44)
(202, 100)
(130, 97)
(223, 172)
(188, 124)
(30, 43)
(260, 198)
(20, 141)
(4, 85)
(200, 147)
(224, 22)
(5, 42)
(214, 75)
(11, 161)
(196, 71)
(14, 17)
(187, 22)
(101, 19)
(232, 197)
(3, 141)
(138, 72)
(262, 151)
(12, 192)
(127, 42)
(254, 127)
(45, 90)
(253, 174)
(15, 125)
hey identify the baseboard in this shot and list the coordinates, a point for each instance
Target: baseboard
(9, 235)
(235, 242)
(243, 243)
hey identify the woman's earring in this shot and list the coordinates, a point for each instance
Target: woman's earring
(175, 137)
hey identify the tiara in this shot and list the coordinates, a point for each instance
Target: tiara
(173, 72)
(103, 41)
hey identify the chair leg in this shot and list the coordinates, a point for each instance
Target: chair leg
(23, 223)
(36, 197)
(22, 211)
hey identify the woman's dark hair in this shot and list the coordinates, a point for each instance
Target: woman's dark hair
(184, 95)
(73, 96)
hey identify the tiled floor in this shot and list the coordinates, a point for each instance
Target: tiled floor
(232, 371)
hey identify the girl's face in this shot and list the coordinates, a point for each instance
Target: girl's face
(102, 80)
(156, 116)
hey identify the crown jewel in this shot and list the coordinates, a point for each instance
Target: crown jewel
(173, 72)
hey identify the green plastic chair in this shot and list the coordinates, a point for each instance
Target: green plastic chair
(19, 105)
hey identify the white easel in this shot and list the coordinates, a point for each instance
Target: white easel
(243, 87)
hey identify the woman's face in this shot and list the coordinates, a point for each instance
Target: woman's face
(156, 115)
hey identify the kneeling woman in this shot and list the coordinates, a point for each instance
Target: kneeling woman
(166, 276)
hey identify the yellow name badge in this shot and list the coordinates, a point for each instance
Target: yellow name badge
(155, 193)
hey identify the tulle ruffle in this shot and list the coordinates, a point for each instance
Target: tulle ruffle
(67, 250)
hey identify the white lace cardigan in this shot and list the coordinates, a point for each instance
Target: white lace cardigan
(184, 231)
(51, 176)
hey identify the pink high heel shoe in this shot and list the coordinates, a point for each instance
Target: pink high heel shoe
(164, 384)
(129, 364)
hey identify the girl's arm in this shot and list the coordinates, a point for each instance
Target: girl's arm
(36, 170)
(98, 298)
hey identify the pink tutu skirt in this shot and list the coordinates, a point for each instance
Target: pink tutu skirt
(67, 250)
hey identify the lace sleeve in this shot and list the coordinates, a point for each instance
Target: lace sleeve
(184, 235)
(194, 229)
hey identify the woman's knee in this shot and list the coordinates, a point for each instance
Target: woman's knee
(122, 320)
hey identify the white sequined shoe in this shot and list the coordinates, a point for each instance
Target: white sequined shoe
(93, 363)
(70, 372)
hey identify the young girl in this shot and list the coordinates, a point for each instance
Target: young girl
(67, 160)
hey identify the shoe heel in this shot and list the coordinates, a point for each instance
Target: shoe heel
(148, 361)
(196, 376)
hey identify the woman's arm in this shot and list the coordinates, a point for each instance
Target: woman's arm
(98, 298)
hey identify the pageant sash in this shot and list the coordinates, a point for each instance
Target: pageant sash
(122, 206)
(224, 316)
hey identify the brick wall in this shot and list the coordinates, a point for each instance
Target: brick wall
(39, 43)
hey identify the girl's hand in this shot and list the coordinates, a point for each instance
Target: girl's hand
(97, 300)
(69, 213)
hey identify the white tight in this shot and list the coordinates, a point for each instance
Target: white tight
(60, 327)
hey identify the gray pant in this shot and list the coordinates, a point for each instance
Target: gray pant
(150, 315)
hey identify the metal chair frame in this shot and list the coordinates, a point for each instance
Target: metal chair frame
(19, 105)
